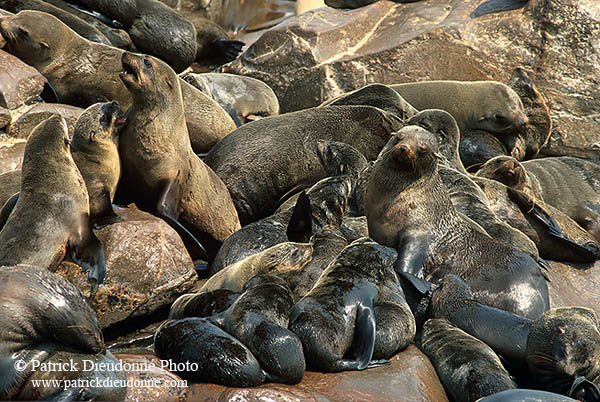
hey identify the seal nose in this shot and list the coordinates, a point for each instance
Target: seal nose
(523, 121)
(403, 148)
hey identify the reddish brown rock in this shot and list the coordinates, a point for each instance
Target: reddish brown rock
(26, 118)
(19, 83)
(328, 52)
(11, 153)
(575, 285)
(147, 268)
(410, 377)
(153, 384)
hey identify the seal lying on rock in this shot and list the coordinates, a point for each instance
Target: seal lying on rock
(51, 215)
(409, 209)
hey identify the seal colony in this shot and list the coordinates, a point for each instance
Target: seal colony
(328, 239)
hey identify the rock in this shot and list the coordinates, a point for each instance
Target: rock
(19, 83)
(26, 118)
(326, 52)
(574, 285)
(147, 268)
(153, 384)
(410, 376)
(11, 153)
(4, 117)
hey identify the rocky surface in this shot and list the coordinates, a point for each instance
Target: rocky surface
(19, 83)
(147, 268)
(26, 118)
(11, 153)
(4, 117)
(327, 52)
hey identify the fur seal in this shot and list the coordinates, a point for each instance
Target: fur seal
(158, 161)
(279, 152)
(468, 368)
(409, 209)
(477, 106)
(83, 73)
(244, 98)
(279, 258)
(51, 215)
(325, 203)
(259, 319)
(46, 319)
(213, 46)
(528, 395)
(220, 358)
(202, 304)
(377, 95)
(95, 151)
(338, 317)
(124, 11)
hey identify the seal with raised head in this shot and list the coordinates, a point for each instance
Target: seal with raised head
(95, 151)
(159, 169)
(279, 258)
(83, 73)
(409, 209)
(279, 152)
(51, 215)
(45, 320)
(338, 317)
(259, 319)
(468, 368)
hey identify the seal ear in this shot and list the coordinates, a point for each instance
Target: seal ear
(300, 226)
(44, 45)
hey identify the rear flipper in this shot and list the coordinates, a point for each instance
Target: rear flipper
(87, 252)
(230, 49)
(104, 214)
(167, 209)
(530, 208)
(584, 390)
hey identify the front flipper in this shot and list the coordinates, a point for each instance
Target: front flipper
(230, 49)
(584, 390)
(8, 207)
(167, 209)
(87, 252)
(364, 339)
(411, 256)
(300, 226)
(531, 208)
(104, 214)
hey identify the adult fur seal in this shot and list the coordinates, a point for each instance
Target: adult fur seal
(259, 319)
(45, 319)
(279, 258)
(339, 311)
(279, 152)
(83, 73)
(158, 161)
(409, 209)
(468, 368)
(95, 151)
(51, 215)
(244, 98)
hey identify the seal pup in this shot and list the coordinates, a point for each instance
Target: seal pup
(51, 215)
(158, 162)
(279, 152)
(221, 358)
(259, 319)
(468, 368)
(95, 151)
(338, 313)
(409, 209)
(202, 304)
(83, 73)
(325, 203)
(123, 11)
(244, 98)
(46, 319)
(279, 258)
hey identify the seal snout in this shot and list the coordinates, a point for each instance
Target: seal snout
(130, 72)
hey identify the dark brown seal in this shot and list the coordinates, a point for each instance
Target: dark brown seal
(409, 209)
(51, 215)
(160, 170)
(95, 151)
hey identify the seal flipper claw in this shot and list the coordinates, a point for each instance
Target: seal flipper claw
(88, 252)
(167, 209)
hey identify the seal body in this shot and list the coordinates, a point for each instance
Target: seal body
(158, 161)
(51, 214)
(95, 151)
(409, 209)
(468, 368)
(338, 312)
(279, 152)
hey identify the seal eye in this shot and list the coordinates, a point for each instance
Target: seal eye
(499, 117)
(23, 31)
(147, 63)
